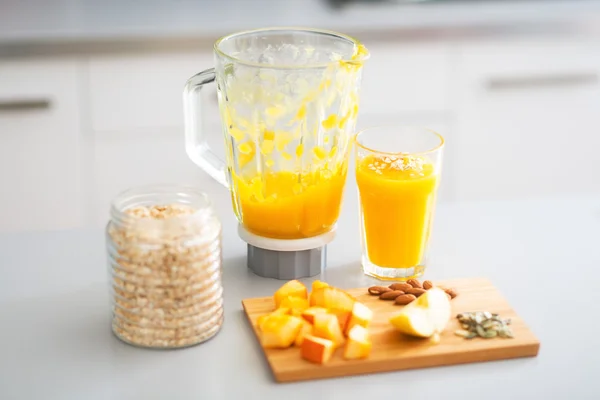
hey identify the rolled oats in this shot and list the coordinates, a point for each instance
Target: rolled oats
(165, 275)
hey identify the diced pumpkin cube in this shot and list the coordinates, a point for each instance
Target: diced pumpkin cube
(316, 349)
(358, 345)
(279, 311)
(296, 305)
(309, 313)
(361, 315)
(316, 285)
(280, 331)
(343, 318)
(293, 288)
(332, 299)
(306, 330)
(326, 326)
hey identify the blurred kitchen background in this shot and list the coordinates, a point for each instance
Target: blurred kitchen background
(91, 104)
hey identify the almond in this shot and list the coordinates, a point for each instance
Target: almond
(416, 291)
(452, 293)
(415, 283)
(400, 286)
(404, 299)
(427, 285)
(391, 295)
(378, 290)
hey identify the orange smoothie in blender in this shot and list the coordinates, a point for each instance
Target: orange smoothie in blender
(288, 205)
(397, 196)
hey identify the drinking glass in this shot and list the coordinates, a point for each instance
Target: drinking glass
(398, 173)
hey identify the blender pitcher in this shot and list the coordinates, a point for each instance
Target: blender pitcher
(288, 101)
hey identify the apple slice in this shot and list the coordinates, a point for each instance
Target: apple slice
(306, 330)
(296, 304)
(358, 345)
(425, 317)
(309, 313)
(316, 285)
(263, 318)
(280, 331)
(326, 326)
(291, 288)
(361, 316)
(316, 349)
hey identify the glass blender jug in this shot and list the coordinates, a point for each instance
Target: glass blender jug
(288, 101)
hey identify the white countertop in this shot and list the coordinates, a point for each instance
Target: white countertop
(86, 21)
(57, 344)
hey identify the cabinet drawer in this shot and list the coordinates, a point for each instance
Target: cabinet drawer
(144, 92)
(399, 77)
(40, 163)
(528, 119)
(528, 65)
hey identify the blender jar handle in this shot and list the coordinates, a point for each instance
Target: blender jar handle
(196, 145)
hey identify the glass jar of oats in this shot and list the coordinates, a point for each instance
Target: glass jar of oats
(164, 263)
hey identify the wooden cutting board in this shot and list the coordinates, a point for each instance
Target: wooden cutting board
(393, 351)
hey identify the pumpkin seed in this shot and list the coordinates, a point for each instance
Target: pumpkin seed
(490, 334)
(480, 330)
(462, 332)
(506, 332)
(488, 324)
(483, 324)
(472, 335)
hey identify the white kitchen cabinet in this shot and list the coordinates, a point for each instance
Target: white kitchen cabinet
(137, 123)
(123, 160)
(400, 77)
(40, 144)
(143, 92)
(527, 119)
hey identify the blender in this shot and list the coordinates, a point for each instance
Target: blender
(288, 102)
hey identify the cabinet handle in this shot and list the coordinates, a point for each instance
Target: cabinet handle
(24, 104)
(519, 82)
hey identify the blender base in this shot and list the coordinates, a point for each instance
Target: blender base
(286, 264)
(286, 259)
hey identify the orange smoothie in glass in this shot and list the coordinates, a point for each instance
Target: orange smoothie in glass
(397, 197)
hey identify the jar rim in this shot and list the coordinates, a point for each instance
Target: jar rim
(150, 195)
